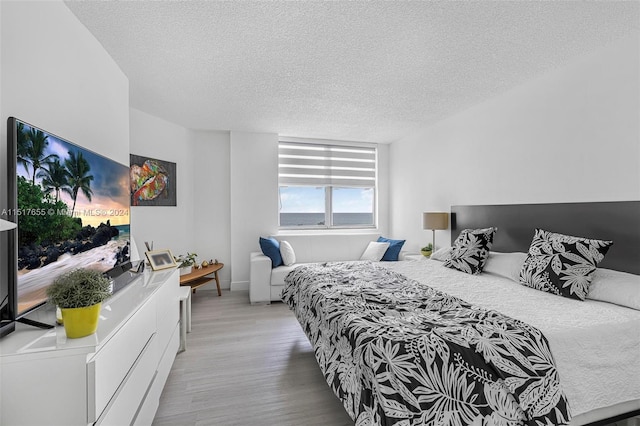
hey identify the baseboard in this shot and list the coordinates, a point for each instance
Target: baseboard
(239, 285)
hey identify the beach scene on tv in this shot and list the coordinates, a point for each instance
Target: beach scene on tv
(72, 211)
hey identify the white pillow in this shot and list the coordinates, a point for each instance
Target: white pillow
(287, 253)
(621, 288)
(506, 265)
(441, 254)
(374, 251)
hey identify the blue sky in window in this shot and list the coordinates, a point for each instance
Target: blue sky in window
(311, 200)
(352, 200)
(297, 199)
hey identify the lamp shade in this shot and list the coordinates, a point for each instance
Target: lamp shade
(5, 225)
(435, 220)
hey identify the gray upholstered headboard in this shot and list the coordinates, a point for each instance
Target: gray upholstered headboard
(617, 221)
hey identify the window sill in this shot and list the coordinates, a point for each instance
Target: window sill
(342, 231)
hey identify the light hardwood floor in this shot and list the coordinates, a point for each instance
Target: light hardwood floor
(248, 365)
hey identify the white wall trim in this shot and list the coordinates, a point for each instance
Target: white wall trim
(239, 285)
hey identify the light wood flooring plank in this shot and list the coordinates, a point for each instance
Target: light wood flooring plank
(246, 365)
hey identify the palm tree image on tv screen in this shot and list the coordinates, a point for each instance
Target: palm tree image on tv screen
(72, 211)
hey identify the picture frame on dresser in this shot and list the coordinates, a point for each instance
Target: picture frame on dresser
(161, 259)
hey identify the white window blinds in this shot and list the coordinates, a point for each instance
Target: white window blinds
(304, 164)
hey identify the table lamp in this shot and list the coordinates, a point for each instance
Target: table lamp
(435, 221)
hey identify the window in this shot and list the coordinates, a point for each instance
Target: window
(327, 185)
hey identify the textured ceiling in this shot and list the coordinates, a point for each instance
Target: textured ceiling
(368, 71)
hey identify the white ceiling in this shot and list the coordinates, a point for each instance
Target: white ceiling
(367, 71)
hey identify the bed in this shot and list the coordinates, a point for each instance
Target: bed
(410, 343)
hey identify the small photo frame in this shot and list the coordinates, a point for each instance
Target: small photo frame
(161, 259)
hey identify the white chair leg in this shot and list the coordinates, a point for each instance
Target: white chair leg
(185, 316)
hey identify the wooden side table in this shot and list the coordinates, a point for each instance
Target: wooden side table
(198, 277)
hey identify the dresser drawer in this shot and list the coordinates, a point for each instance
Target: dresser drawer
(122, 409)
(115, 359)
(148, 408)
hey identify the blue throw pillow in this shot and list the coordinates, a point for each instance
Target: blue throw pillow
(271, 248)
(392, 253)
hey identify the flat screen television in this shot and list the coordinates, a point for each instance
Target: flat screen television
(71, 206)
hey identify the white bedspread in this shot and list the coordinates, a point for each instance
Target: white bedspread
(596, 345)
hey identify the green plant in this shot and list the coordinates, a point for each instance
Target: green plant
(428, 247)
(56, 227)
(189, 260)
(79, 288)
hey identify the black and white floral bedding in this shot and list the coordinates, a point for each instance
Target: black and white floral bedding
(397, 352)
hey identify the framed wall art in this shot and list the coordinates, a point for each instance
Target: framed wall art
(152, 181)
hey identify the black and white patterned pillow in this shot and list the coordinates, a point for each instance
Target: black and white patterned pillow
(471, 250)
(562, 264)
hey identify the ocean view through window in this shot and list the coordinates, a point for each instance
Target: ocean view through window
(313, 219)
(327, 185)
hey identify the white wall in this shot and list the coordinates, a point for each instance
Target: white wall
(383, 186)
(168, 227)
(571, 135)
(199, 223)
(253, 198)
(56, 76)
(212, 198)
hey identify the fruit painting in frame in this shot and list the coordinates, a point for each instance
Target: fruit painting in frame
(152, 181)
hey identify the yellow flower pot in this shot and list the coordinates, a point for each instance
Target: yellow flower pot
(81, 322)
(426, 253)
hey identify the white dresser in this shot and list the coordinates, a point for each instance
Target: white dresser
(113, 377)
